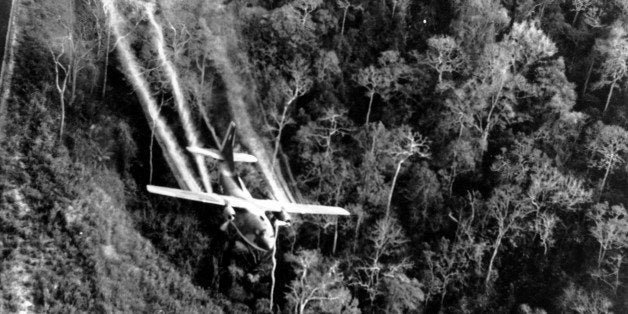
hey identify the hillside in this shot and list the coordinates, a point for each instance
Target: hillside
(69, 242)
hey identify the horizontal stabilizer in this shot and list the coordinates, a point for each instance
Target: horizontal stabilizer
(215, 154)
(254, 205)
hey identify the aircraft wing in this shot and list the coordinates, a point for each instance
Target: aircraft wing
(188, 195)
(215, 154)
(250, 204)
(294, 208)
(210, 198)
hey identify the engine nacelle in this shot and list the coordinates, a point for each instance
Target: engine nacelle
(283, 218)
(228, 212)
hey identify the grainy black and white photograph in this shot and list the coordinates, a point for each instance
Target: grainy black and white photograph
(314, 156)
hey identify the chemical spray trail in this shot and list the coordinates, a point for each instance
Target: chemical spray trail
(171, 150)
(185, 115)
(239, 109)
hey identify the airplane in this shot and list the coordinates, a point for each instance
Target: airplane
(246, 214)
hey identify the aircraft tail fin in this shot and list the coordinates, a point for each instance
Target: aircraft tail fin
(227, 146)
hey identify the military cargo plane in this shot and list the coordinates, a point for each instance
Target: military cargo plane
(246, 214)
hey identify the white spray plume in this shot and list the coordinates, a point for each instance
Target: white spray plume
(172, 151)
(239, 108)
(181, 105)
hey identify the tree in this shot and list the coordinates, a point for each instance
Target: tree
(403, 294)
(383, 80)
(580, 6)
(609, 144)
(449, 265)
(610, 230)
(425, 195)
(491, 96)
(478, 23)
(70, 55)
(345, 5)
(508, 212)
(61, 84)
(614, 51)
(581, 301)
(79, 58)
(547, 187)
(384, 149)
(327, 176)
(375, 141)
(387, 240)
(550, 192)
(298, 84)
(305, 8)
(407, 144)
(453, 261)
(103, 33)
(318, 286)
(544, 227)
(444, 56)
(375, 81)
(463, 157)
(551, 189)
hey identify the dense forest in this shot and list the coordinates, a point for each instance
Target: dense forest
(480, 146)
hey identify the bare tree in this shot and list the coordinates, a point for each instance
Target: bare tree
(61, 80)
(383, 79)
(345, 5)
(70, 55)
(610, 230)
(544, 227)
(331, 175)
(102, 41)
(387, 238)
(108, 50)
(317, 283)
(304, 9)
(608, 147)
(614, 51)
(444, 56)
(298, 85)
(79, 58)
(409, 144)
(488, 99)
(373, 80)
(454, 259)
(508, 213)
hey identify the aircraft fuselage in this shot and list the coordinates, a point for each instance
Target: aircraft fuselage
(252, 225)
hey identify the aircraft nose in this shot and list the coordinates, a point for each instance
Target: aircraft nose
(265, 240)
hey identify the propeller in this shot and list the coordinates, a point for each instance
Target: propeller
(229, 214)
(282, 218)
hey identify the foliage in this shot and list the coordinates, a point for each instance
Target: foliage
(614, 51)
(480, 146)
(580, 301)
(608, 147)
(610, 230)
(318, 287)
